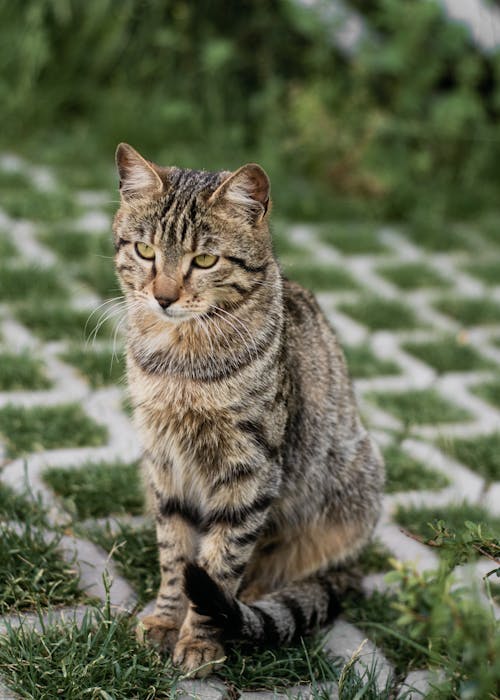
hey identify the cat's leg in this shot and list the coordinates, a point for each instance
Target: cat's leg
(176, 547)
(225, 549)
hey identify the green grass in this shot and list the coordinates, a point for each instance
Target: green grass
(98, 658)
(99, 367)
(284, 246)
(98, 489)
(99, 273)
(470, 311)
(439, 236)
(74, 245)
(379, 313)
(51, 322)
(489, 391)
(22, 372)
(481, 454)
(488, 225)
(403, 473)
(413, 275)
(487, 271)
(136, 553)
(417, 519)
(374, 558)
(90, 255)
(11, 179)
(363, 364)
(48, 427)
(448, 354)
(320, 277)
(419, 407)
(15, 506)
(33, 204)
(276, 669)
(7, 249)
(378, 609)
(32, 572)
(351, 239)
(18, 282)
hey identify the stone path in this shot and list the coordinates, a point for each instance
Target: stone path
(105, 406)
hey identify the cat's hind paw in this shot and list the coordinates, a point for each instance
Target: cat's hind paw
(198, 657)
(157, 631)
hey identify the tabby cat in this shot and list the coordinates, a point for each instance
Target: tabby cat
(263, 481)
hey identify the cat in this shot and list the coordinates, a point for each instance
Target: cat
(263, 481)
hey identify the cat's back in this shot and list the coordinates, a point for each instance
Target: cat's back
(314, 353)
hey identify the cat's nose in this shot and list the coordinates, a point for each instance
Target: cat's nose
(165, 302)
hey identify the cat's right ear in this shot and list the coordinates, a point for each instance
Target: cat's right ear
(139, 178)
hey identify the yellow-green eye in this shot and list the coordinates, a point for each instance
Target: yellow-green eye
(205, 260)
(145, 251)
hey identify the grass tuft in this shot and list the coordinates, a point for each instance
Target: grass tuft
(320, 277)
(32, 572)
(419, 407)
(413, 275)
(378, 313)
(22, 371)
(100, 367)
(52, 322)
(97, 658)
(48, 427)
(489, 391)
(18, 282)
(30, 203)
(470, 311)
(351, 239)
(98, 489)
(403, 473)
(363, 364)
(481, 454)
(488, 271)
(449, 354)
(275, 669)
(74, 245)
(374, 558)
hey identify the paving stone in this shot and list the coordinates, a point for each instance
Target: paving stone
(346, 640)
(201, 690)
(418, 682)
(94, 565)
(6, 693)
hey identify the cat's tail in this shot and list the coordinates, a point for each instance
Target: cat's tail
(275, 619)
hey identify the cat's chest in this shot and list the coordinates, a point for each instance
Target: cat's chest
(184, 428)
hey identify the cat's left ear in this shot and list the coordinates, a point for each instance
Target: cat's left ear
(139, 178)
(245, 193)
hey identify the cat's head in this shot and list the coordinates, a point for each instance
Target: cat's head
(189, 241)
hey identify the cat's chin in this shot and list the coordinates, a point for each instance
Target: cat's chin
(177, 315)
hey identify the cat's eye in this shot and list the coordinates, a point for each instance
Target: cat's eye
(145, 251)
(205, 260)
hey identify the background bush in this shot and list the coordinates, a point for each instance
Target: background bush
(410, 120)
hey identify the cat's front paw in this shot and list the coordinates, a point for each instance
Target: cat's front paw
(157, 631)
(198, 657)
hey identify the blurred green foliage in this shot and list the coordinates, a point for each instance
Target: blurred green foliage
(408, 124)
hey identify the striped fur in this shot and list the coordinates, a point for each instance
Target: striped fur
(263, 480)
